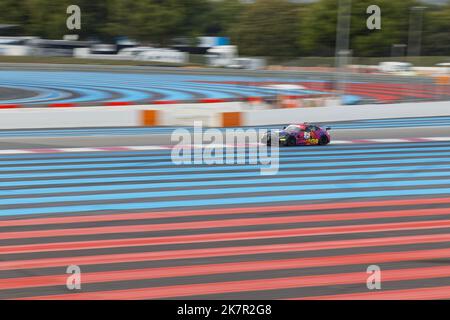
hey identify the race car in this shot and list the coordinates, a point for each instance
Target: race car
(299, 135)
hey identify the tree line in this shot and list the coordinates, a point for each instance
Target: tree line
(271, 28)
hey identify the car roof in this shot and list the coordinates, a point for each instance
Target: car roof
(303, 125)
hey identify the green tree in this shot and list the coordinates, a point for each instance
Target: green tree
(278, 28)
(437, 31)
(318, 25)
(222, 16)
(156, 21)
(268, 28)
(94, 16)
(12, 11)
(394, 29)
(318, 35)
(45, 18)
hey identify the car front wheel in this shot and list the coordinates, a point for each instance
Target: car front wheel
(323, 141)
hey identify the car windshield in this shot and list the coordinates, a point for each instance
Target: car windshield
(293, 129)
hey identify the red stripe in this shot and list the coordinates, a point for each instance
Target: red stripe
(205, 253)
(226, 223)
(257, 285)
(399, 93)
(117, 103)
(320, 245)
(62, 105)
(400, 89)
(308, 246)
(9, 106)
(406, 294)
(228, 236)
(166, 272)
(210, 212)
(166, 102)
(254, 99)
(210, 100)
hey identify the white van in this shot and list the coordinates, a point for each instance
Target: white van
(444, 68)
(399, 68)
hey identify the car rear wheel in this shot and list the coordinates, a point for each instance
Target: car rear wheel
(291, 141)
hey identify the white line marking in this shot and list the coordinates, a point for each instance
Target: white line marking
(146, 148)
(149, 148)
(440, 139)
(387, 140)
(77, 149)
(14, 151)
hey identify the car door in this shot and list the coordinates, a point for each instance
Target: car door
(315, 135)
(304, 136)
(311, 136)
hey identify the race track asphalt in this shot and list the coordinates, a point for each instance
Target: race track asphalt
(142, 136)
(140, 227)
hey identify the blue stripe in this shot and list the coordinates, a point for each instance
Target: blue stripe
(197, 176)
(367, 153)
(223, 201)
(222, 191)
(219, 168)
(253, 180)
(302, 164)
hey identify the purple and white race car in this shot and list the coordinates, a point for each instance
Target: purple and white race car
(304, 134)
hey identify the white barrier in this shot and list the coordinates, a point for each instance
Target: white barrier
(15, 50)
(68, 118)
(346, 113)
(119, 116)
(210, 114)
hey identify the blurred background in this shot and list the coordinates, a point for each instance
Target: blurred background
(279, 35)
(299, 30)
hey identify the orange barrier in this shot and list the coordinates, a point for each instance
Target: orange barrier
(289, 102)
(442, 80)
(150, 118)
(231, 119)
